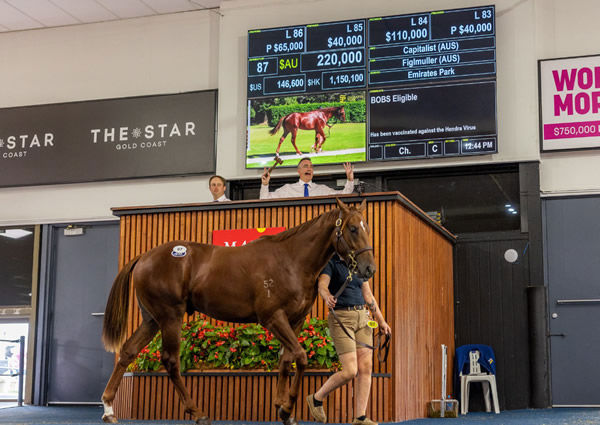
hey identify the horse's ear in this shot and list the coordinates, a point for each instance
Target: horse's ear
(342, 206)
(363, 206)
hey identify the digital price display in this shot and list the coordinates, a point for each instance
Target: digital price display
(307, 59)
(432, 46)
(411, 86)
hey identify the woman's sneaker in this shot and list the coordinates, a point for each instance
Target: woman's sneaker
(317, 411)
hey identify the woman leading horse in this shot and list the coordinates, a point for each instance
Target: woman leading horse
(312, 120)
(271, 281)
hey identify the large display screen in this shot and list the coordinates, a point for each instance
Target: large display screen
(385, 88)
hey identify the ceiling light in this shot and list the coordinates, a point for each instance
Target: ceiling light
(507, 205)
(511, 209)
(15, 233)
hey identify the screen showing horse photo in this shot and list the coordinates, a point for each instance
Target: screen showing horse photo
(329, 128)
(384, 88)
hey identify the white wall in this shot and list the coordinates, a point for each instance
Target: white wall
(204, 50)
(164, 54)
(568, 28)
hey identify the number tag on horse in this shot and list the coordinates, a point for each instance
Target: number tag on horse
(179, 251)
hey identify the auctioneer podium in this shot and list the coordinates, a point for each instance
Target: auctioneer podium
(413, 285)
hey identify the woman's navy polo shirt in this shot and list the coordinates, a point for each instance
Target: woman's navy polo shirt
(337, 270)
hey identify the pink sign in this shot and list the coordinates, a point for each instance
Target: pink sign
(570, 103)
(240, 237)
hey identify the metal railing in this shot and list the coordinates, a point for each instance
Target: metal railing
(21, 372)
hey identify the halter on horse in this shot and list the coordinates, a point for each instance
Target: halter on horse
(227, 283)
(312, 120)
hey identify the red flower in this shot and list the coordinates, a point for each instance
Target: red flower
(216, 355)
(219, 343)
(233, 350)
(270, 347)
(312, 353)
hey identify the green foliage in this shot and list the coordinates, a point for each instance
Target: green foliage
(340, 137)
(355, 110)
(249, 346)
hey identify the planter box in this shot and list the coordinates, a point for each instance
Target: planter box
(238, 396)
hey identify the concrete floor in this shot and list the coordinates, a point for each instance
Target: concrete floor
(62, 415)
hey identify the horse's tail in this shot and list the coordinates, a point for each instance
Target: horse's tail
(115, 315)
(277, 127)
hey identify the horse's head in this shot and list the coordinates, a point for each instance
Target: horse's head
(351, 240)
(341, 113)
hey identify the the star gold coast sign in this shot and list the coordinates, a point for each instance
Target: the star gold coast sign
(108, 139)
(144, 137)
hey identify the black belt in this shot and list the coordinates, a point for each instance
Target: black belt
(349, 307)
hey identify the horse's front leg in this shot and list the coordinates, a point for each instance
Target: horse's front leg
(285, 365)
(316, 145)
(321, 136)
(280, 326)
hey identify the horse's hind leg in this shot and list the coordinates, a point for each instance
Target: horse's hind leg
(171, 335)
(142, 336)
(281, 139)
(294, 132)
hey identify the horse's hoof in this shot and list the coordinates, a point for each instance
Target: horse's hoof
(109, 419)
(290, 421)
(204, 420)
(286, 417)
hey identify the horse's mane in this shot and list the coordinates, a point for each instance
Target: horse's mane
(282, 236)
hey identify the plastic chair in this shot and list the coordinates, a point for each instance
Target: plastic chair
(487, 378)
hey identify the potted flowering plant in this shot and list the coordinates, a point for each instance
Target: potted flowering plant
(249, 346)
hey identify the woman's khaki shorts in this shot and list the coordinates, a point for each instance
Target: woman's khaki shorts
(355, 322)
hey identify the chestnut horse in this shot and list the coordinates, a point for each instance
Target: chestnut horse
(271, 281)
(312, 120)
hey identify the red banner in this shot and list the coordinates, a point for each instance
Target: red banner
(240, 237)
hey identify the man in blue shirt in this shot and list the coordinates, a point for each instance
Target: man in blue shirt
(350, 307)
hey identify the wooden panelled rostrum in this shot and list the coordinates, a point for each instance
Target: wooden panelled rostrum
(413, 286)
